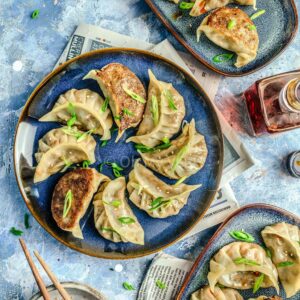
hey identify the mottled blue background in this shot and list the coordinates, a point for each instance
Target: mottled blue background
(38, 44)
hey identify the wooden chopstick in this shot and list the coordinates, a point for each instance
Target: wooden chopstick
(53, 278)
(35, 272)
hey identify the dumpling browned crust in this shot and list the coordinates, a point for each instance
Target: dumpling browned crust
(82, 183)
(233, 30)
(203, 6)
(114, 79)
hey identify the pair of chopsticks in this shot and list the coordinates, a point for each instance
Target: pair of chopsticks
(38, 277)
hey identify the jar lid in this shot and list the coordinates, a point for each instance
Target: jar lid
(293, 164)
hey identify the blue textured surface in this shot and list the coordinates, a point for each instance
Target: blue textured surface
(158, 232)
(253, 220)
(279, 17)
(38, 44)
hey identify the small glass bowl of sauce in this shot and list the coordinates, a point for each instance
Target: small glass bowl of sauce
(293, 164)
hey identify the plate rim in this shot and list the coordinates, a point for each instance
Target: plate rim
(208, 101)
(198, 57)
(219, 231)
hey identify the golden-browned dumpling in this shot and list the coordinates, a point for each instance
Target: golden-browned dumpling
(206, 293)
(125, 93)
(87, 109)
(282, 240)
(113, 217)
(164, 113)
(238, 265)
(157, 198)
(185, 157)
(72, 196)
(233, 30)
(62, 146)
(202, 6)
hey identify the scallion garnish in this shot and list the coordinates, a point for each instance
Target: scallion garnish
(67, 163)
(86, 163)
(35, 14)
(258, 282)
(105, 104)
(118, 117)
(115, 168)
(67, 203)
(257, 14)
(160, 284)
(186, 5)
(231, 24)
(15, 231)
(71, 111)
(245, 261)
(285, 264)
(127, 286)
(133, 95)
(127, 112)
(159, 202)
(84, 135)
(222, 57)
(154, 110)
(126, 220)
(114, 203)
(26, 221)
(104, 143)
(165, 140)
(108, 229)
(145, 149)
(242, 236)
(181, 180)
(251, 27)
(268, 253)
(181, 153)
(170, 98)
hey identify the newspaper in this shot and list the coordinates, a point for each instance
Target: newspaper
(236, 160)
(167, 270)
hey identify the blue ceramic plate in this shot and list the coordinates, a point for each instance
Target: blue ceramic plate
(253, 219)
(159, 233)
(276, 29)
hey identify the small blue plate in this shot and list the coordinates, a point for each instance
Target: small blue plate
(276, 29)
(253, 219)
(159, 233)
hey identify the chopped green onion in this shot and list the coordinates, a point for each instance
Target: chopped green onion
(165, 140)
(242, 236)
(108, 229)
(170, 99)
(35, 14)
(186, 5)
(159, 202)
(114, 203)
(245, 261)
(160, 284)
(127, 286)
(118, 117)
(182, 152)
(105, 104)
(71, 121)
(251, 27)
(134, 96)
(222, 57)
(181, 180)
(128, 112)
(115, 168)
(72, 132)
(15, 231)
(145, 149)
(67, 163)
(67, 203)
(154, 110)
(86, 163)
(231, 24)
(285, 264)
(258, 282)
(126, 220)
(26, 221)
(84, 135)
(268, 253)
(104, 143)
(257, 14)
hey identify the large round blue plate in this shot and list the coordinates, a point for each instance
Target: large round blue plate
(159, 233)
